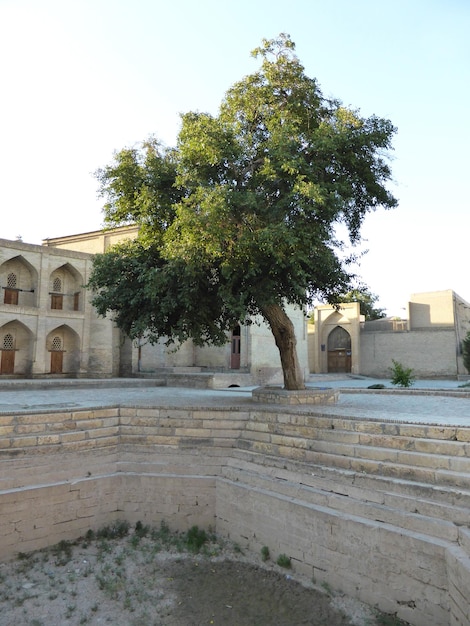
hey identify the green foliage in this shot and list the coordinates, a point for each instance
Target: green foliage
(466, 352)
(141, 530)
(401, 376)
(118, 529)
(265, 555)
(284, 561)
(366, 301)
(195, 539)
(238, 219)
(62, 552)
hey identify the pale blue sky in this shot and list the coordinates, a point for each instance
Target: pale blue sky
(83, 78)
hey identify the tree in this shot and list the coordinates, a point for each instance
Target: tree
(366, 301)
(238, 218)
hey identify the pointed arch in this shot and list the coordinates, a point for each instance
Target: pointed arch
(16, 347)
(63, 345)
(65, 288)
(18, 282)
(339, 350)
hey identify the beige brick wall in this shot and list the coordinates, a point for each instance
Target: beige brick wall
(260, 477)
(431, 353)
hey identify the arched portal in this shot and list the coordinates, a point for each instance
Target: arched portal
(339, 351)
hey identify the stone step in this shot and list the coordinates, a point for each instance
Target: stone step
(428, 499)
(438, 459)
(430, 525)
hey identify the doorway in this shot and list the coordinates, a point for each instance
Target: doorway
(7, 362)
(57, 356)
(339, 351)
(235, 351)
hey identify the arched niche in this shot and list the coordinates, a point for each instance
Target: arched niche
(63, 346)
(66, 288)
(16, 347)
(18, 282)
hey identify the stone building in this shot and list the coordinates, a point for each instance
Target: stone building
(48, 326)
(428, 339)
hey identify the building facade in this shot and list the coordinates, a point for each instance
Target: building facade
(429, 339)
(48, 326)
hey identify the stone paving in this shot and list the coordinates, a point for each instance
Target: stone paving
(443, 402)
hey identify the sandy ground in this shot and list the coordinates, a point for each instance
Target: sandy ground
(145, 577)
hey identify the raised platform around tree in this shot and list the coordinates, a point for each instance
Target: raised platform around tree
(278, 395)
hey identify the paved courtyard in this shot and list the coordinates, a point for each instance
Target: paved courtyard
(431, 402)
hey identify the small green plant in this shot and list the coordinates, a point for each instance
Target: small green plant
(62, 552)
(119, 529)
(195, 539)
(401, 376)
(141, 530)
(284, 561)
(265, 553)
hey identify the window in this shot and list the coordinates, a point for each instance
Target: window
(11, 292)
(56, 344)
(57, 298)
(11, 281)
(8, 342)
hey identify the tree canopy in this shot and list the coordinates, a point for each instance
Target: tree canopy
(239, 217)
(366, 301)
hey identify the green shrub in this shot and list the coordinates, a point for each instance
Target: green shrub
(401, 376)
(265, 553)
(119, 529)
(284, 561)
(195, 539)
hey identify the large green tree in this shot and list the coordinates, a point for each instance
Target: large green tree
(239, 217)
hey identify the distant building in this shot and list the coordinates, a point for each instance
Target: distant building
(429, 339)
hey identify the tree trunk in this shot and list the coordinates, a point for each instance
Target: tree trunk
(284, 335)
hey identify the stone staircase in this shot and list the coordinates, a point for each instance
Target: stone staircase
(417, 475)
(406, 483)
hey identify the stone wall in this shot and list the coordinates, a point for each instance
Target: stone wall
(430, 353)
(378, 510)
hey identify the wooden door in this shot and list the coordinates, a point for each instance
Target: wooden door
(57, 359)
(57, 300)
(235, 353)
(11, 296)
(339, 361)
(7, 362)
